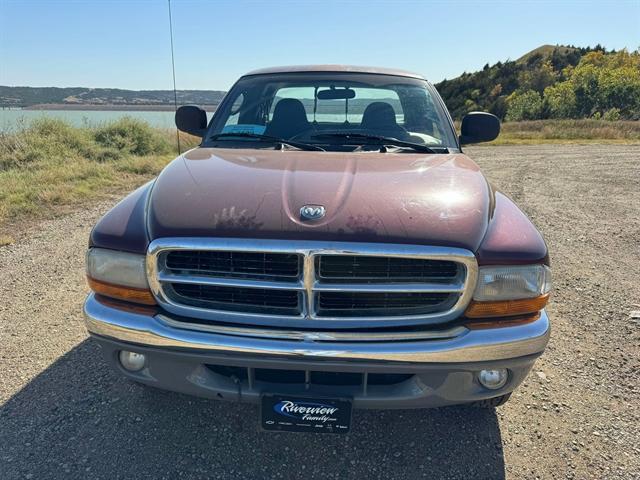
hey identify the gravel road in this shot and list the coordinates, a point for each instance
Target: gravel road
(64, 414)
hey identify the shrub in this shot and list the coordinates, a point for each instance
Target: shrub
(131, 136)
(612, 115)
(108, 155)
(44, 139)
(54, 141)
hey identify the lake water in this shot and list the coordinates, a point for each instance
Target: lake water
(12, 120)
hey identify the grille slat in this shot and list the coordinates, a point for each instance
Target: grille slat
(349, 304)
(384, 269)
(238, 299)
(250, 265)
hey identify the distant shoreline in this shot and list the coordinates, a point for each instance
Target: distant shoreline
(110, 107)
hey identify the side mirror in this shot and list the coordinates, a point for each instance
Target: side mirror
(191, 119)
(479, 127)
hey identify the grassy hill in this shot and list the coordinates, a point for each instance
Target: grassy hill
(81, 96)
(547, 51)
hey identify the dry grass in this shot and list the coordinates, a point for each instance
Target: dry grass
(52, 164)
(6, 240)
(569, 131)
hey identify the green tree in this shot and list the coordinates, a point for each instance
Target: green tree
(527, 105)
(561, 100)
(600, 82)
(619, 87)
(538, 79)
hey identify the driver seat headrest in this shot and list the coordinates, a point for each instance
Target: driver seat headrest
(289, 119)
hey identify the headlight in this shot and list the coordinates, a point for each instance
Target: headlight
(512, 283)
(510, 290)
(120, 275)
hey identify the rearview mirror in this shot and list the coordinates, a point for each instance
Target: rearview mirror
(336, 94)
(191, 119)
(479, 127)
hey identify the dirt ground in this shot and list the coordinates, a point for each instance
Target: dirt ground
(64, 414)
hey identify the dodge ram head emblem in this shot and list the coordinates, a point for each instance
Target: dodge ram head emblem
(312, 212)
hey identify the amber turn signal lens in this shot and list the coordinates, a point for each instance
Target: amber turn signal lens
(484, 324)
(129, 294)
(506, 308)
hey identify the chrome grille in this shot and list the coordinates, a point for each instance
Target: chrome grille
(310, 284)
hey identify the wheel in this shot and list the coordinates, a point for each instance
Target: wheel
(491, 402)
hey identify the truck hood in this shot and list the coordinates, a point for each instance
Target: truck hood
(435, 199)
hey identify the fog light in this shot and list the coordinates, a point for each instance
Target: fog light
(493, 379)
(131, 361)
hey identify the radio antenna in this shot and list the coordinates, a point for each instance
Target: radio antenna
(173, 70)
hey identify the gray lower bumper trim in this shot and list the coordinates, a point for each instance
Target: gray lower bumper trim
(467, 346)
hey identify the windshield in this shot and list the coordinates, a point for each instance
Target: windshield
(336, 111)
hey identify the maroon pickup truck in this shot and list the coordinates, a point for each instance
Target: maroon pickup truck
(327, 246)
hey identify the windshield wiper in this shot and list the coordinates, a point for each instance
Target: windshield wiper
(267, 138)
(378, 138)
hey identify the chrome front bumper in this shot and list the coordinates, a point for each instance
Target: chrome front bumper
(442, 366)
(452, 346)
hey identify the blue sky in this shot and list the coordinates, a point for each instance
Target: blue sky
(125, 43)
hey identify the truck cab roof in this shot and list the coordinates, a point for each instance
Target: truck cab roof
(334, 68)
